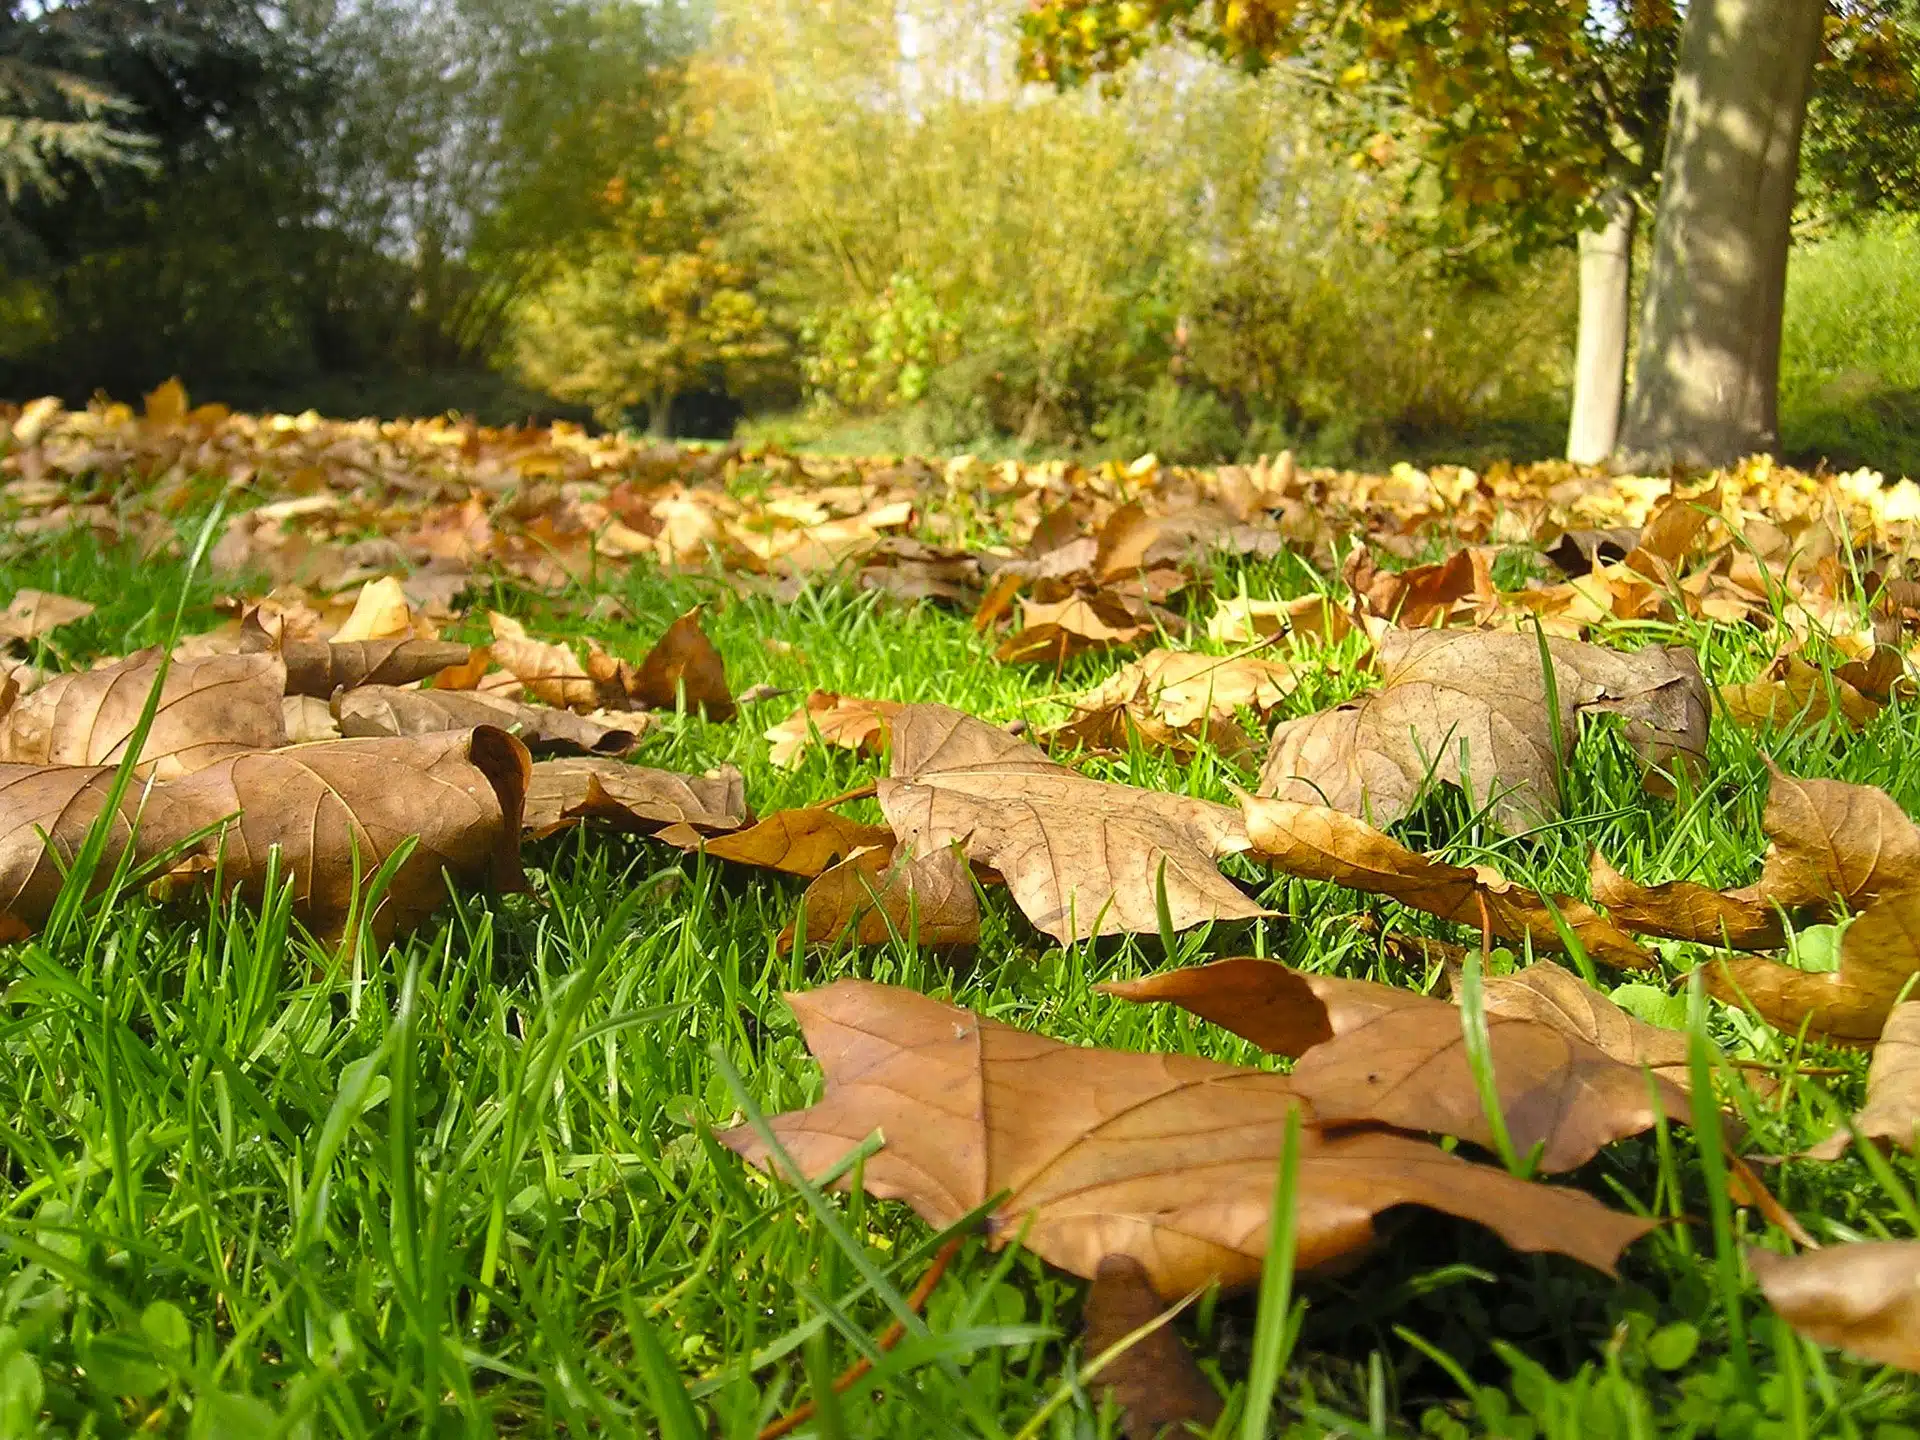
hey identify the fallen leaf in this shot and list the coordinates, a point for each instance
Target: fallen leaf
(1240, 620)
(210, 708)
(45, 812)
(1318, 842)
(319, 669)
(336, 811)
(1830, 844)
(876, 899)
(387, 710)
(1879, 952)
(1577, 552)
(842, 722)
(1154, 1381)
(1393, 1057)
(1863, 1298)
(380, 612)
(563, 793)
(1051, 633)
(1172, 696)
(33, 613)
(684, 660)
(1794, 692)
(1167, 1159)
(307, 719)
(551, 673)
(1424, 595)
(1682, 910)
(1561, 999)
(1443, 693)
(1893, 1088)
(1081, 857)
(795, 842)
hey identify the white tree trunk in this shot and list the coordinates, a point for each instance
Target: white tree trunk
(1706, 378)
(1600, 359)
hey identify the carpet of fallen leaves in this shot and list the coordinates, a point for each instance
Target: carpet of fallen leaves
(327, 729)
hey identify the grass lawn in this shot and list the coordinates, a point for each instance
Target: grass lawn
(258, 1186)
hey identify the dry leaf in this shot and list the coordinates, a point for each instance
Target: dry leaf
(1443, 693)
(1682, 910)
(1051, 633)
(1831, 843)
(1172, 696)
(683, 660)
(210, 708)
(1879, 953)
(33, 613)
(1863, 1298)
(1561, 999)
(320, 669)
(551, 673)
(839, 721)
(307, 719)
(1393, 1057)
(1166, 1159)
(1240, 620)
(380, 612)
(796, 842)
(876, 899)
(1321, 843)
(563, 793)
(44, 806)
(385, 710)
(1081, 857)
(1793, 691)
(1154, 1381)
(331, 806)
(1893, 1088)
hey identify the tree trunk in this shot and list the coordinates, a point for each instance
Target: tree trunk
(1706, 380)
(659, 412)
(1600, 363)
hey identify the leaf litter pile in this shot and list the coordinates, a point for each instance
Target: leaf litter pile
(1423, 841)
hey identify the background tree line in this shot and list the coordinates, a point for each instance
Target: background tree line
(1359, 228)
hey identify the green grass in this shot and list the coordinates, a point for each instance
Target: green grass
(470, 1186)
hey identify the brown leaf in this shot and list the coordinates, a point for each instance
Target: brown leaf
(1393, 1057)
(1576, 552)
(307, 719)
(44, 806)
(1893, 1088)
(1173, 696)
(562, 793)
(386, 710)
(684, 658)
(1239, 620)
(1154, 1381)
(1081, 857)
(845, 722)
(1863, 1298)
(320, 669)
(210, 708)
(1167, 1159)
(551, 673)
(33, 613)
(1445, 691)
(1561, 999)
(876, 899)
(1879, 952)
(380, 612)
(796, 842)
(1831, 843)
(1792, 691)
(1426, 594)
(1321, 843)
(1682, 910)
(1053, 633)
(321, 805)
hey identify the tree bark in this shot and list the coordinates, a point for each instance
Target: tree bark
(659, 412)
(1706, 379)
(1600, 361)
